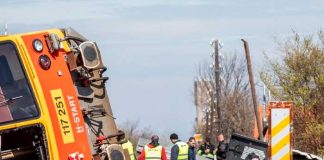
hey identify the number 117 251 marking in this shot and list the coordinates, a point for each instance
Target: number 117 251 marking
(62, 115)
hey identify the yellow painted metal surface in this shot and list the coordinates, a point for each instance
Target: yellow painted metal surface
(280, 133)
(44, 118)
(63, 120)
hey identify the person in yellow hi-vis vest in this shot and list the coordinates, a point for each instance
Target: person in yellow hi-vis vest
(180, 150)
(129, 146)
(153, 150)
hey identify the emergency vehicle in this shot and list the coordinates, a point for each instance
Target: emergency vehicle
(53, 100)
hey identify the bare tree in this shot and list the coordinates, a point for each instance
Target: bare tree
(236, 97)
(133, 131)
(235, 105)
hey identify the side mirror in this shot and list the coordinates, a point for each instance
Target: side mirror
(90, 55)
(53, 42)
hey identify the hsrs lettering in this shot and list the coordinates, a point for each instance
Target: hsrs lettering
(79, 129)
(76, 119)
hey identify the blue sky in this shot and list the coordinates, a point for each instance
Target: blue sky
(153, 48)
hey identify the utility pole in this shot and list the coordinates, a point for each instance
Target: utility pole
(216, 44)
(252, 84)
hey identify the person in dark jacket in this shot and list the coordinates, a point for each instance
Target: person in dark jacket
(192, 148)
(222, 147)
(206, 149)
(206, 146)
(180, 150)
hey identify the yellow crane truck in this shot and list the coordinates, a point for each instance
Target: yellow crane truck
(53, 99)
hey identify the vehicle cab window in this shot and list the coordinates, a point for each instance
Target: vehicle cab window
(16, 100)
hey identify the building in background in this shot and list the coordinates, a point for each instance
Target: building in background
(202, 92)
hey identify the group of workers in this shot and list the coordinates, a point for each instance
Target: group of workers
(209, 151)
(180, 150)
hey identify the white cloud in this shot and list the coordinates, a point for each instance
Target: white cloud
(42, 12)
(50, 11)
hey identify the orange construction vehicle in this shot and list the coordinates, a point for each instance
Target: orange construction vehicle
(53, 99)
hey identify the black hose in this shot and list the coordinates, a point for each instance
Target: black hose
(104, 79)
